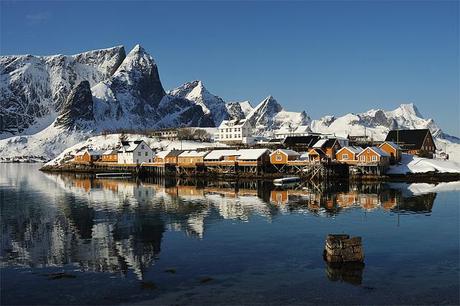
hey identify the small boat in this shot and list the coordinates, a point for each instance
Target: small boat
(113, 175)
(286, 181)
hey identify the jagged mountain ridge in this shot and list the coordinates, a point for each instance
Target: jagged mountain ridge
(376, 123)
(33, 88)
(133, 98)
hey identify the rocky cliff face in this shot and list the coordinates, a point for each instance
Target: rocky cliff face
(134, 98)
(77, 111)
(34, 88)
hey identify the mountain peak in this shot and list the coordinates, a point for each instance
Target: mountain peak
(410, 108)
(270, 103)
(138, 49)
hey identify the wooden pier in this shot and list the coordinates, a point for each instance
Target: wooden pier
(248, 169)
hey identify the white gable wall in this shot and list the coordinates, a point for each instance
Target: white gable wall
(141, 154)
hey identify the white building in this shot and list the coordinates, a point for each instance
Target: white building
(235, 131)
(135, 152)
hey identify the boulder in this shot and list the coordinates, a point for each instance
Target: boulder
(340, 248)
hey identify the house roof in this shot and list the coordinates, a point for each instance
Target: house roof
(90, 152)
(325, 143)
(174, 153)
(218, 154)
(287, 152)
(232, 123)
(408, 139)
(352, 149)
(109, 152)
(317, 151)
(377, 150)
(193, 154)
(129, 146)
(162, 154)
(251, 154)
(391, 143)
(301, 140)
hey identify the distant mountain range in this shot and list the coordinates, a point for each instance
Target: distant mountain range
(50, 102)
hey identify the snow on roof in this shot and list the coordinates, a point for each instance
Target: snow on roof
(391, 143)
(304, 155)
(218, 154)
(317, 151)
(376, 150)
(109, 152)
(320, 143)
(193, 153)
(162, 154)
(90, 152)
(129, 146)
(352, 149)
(251, 154)
(287, 152)
(232, 123)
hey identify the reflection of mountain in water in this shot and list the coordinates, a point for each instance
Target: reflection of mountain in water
(118, 225)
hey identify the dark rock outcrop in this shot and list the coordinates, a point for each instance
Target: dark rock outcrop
(77, 111)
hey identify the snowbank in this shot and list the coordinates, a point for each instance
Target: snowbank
(414, 164)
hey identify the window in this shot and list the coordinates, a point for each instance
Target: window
(146, 154)
(374, 158)
(138, 153)
(345, 156)
(362, 157)
(142, 147)
(279, 157)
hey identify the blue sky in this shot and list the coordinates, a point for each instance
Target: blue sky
(321, 57)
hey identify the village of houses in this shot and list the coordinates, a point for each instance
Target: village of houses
(237, 153)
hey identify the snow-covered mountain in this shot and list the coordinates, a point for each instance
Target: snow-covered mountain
(376, 122)
(211, 105)
(33, 88)
(134, 98)
(269, 116)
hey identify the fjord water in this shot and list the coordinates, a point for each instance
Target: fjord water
(69, 239)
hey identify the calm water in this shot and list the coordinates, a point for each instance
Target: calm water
(76, 240)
